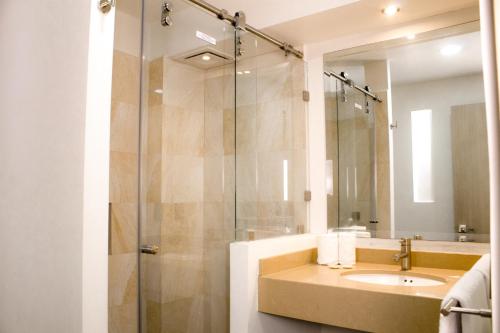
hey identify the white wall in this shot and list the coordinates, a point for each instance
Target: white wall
(433, 220)
(96, 172)
(46, 253)
(262, 13)
(490, 48)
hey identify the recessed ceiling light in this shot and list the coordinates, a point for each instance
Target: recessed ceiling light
(239, 73)
(390, 10)
(246, 72)
(206, 57)
(159, 91)
(451, 49)
(410, 36)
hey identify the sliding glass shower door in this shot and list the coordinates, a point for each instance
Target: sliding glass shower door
(355, 144)
(187, 169)
(271, 113)
(222, 157)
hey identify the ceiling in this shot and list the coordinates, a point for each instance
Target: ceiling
(302, 22)
(259, 13)
(421, 61)
(358, 17)
(265, 13)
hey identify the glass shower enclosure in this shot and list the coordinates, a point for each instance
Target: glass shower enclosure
(187, 169)
(351, 158)
(222, 158)
(270, 141)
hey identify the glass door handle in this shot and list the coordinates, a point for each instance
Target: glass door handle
(150, 249)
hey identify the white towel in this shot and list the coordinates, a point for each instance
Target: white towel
(483, 265)
(363, 234)
(347, 248)
(450, 323)
(470, 292)
(328, 248)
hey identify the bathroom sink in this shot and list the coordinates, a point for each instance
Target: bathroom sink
(391, 278)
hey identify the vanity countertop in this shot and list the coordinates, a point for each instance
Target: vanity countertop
(294, 286)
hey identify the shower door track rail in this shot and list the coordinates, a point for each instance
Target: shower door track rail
(224, 15)
(353, 85)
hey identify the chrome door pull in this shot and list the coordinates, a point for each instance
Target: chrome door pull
(150, 249)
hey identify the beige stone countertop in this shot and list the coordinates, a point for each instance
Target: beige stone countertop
(325, 276)
(294, 286)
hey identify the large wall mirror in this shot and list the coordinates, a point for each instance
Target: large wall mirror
(406, 146)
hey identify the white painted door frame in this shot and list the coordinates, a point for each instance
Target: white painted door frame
(490, 36)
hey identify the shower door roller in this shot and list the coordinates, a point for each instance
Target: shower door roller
(166, 9)
(150, 249)
(106, 5)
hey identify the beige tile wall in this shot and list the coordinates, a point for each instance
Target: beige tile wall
(189, 197)
(122, 280)
(470, 180)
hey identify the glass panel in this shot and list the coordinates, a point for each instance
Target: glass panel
(123, 298)
(356, 159)
(271, 174)
(332, 166)
(187, 170)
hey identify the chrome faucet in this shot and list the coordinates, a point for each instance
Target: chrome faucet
(405, 256)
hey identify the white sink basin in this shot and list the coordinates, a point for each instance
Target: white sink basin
(394, 278)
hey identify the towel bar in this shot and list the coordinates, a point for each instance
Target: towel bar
(451, 306)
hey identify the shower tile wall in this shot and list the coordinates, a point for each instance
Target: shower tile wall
(189, 191)
(270, 142)
(123, 194)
